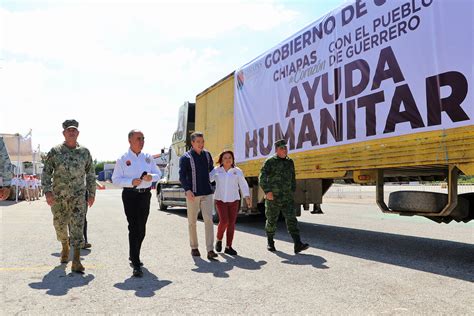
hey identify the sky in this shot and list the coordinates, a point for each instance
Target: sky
(121, 65)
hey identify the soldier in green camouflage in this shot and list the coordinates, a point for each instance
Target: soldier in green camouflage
(277, 179)
(68, 173)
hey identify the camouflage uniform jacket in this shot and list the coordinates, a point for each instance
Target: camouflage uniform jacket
(69, 172)
(278, 176)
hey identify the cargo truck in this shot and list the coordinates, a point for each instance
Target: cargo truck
(373, 91)
(6, 173)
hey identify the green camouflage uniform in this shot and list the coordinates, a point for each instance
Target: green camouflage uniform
(5, 165)
(278, 176)
(68, 173)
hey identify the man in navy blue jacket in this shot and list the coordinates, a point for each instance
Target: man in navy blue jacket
(194, 168)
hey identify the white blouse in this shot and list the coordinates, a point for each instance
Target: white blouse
(228, 184)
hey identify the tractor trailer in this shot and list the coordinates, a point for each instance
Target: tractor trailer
(373, 91)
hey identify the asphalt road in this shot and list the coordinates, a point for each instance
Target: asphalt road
(360, 262)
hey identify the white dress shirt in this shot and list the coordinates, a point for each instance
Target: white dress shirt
(32, 184)
(23, 184)
(228, 184)
(130, 166)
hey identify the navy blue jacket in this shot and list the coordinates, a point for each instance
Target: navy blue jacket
(194, 175)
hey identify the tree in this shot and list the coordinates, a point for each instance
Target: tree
(99, 165)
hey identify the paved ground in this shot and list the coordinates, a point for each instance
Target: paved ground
(360, 262)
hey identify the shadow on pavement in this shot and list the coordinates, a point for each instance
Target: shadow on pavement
(145, 286)
(58, 283)
(180, 211)
(243, 262)
(217, 268)
(303, 259)
(442, 257)
(9, 203)
(84, 252)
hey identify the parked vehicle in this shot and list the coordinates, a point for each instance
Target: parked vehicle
(371, 92)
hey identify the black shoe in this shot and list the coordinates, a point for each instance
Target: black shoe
(219, 246)
(271, 248)
(317, 210)
(139, 263)
(211, 255)
(137, 272)
(270, 244)
(230, 251)
(195, 253)
(300, 247)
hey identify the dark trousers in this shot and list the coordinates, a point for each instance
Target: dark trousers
(137, 208)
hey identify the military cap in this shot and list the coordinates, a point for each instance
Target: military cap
(70, 124)
(280, 143)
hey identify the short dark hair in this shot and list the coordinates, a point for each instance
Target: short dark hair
(196, 135)
(133, 131)
(221, 156)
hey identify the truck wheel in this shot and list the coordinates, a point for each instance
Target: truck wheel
(4, 193)
(261, 210)
(161, 205)
(422, 202)
(470, 197)
(215, 217)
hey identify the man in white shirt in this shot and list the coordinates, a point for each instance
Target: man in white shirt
(14, 185)
(24, 187)
(134, 172)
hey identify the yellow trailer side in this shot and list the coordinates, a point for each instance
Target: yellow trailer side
(215, 115)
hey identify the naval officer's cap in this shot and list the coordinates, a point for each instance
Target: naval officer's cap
(70, 124)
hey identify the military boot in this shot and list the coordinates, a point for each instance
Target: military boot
(76, 261)
(299, 246)
(270, 244)
(65, 252)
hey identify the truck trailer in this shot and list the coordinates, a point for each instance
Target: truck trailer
(373, 91)
(6, 173)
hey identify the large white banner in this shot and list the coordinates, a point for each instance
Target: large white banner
(368, 70)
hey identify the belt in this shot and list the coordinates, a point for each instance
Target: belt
(144, 190)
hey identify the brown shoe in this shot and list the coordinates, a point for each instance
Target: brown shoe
(65, 252)
(211, 255)
(195, 253)
(86, 245)
(76, 261)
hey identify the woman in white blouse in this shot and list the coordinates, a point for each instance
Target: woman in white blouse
(229, 179)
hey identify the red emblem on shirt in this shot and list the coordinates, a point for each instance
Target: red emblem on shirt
(128, 162)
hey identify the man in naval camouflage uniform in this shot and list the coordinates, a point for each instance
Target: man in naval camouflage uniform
(68, 173)
(277, 179)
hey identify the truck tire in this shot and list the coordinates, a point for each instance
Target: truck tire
(215, 217)
(422, 202)
(161, 205)
(470, 198)
(4, 193)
